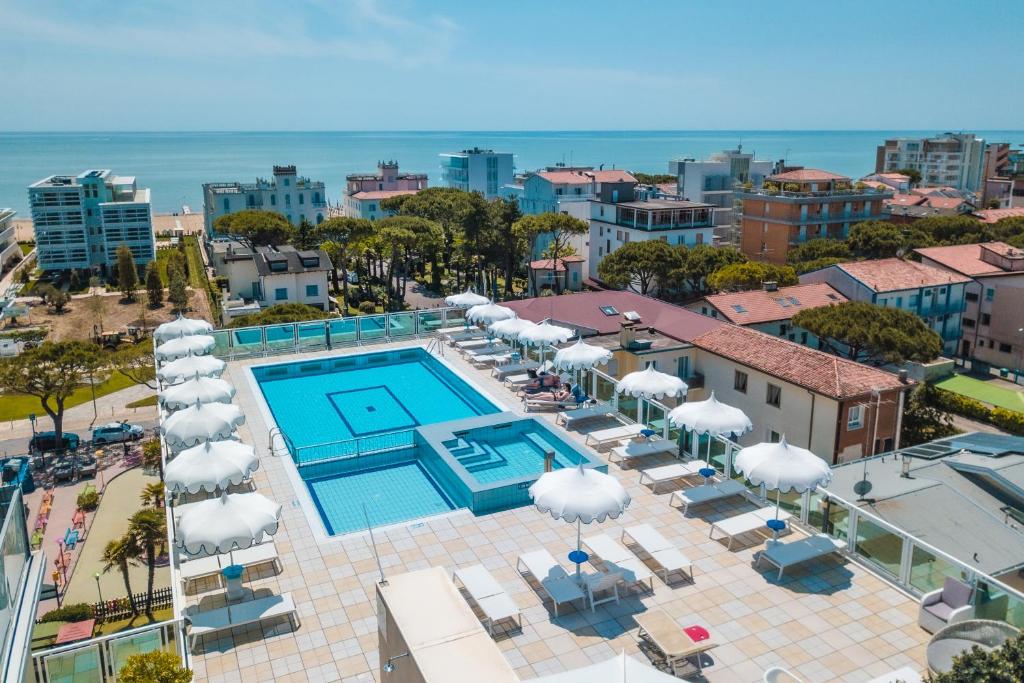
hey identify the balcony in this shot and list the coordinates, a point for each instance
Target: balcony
(869, 192)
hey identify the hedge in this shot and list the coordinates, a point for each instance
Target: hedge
(78, 611)
(1007, 420)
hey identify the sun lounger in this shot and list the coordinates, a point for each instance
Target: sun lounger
(503, 371)
(707, 493)
(660, 550)
(744, 523)
(486, 350)
(616, 558)
(671, 640)
(489, 596)
(668, 473)
(554, 580)
(785, 555)
(569, 417)
(530, 403)
(604, 436)
(468, 344)
(486, 360)
(629, 450)
(242, 614)
(516, 382)
(211, 565)
(465, 335)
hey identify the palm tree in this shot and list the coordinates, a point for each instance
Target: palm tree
(149, 529)
(120, 553)
(152, 494)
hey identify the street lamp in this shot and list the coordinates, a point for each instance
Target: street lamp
(99, 465)
(55, 575)
(98, 589)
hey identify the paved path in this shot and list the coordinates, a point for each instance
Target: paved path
(968, 425)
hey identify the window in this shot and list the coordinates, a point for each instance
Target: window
(280, 294)
(739, 308)
(227, 205)
(739, 382)
(855, 417)
(312, 290)
(803, 338)
(302, 198)
(1005, 348)
(990, 294)
(609, 310)
(774, 396)
(986, 318)
(288, 200)
(774, 436)
(971, 296)
(273, 200)
(968, 322)
(942, 290)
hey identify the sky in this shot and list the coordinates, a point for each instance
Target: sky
(523, 65)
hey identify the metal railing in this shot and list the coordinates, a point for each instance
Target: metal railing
(100, 659)
(345, 449)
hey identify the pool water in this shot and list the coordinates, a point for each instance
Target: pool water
(520, 455)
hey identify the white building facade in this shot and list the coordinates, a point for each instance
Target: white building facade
(711, 181)
(477, 170)
(9, 249)
(952, 159)
(293, 196)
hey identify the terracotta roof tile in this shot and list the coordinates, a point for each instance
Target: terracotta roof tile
(808, 175)
(994, 215)
(820, 372)
(760, 306)
(966, 258)
(906, 200)
(545, 264)
(944, 202)
(893, 274)
(382, 194)
(587, 177)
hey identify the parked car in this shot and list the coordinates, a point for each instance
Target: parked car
(47, 441)
(116, 432)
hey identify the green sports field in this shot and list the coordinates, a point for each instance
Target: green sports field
(986, 392)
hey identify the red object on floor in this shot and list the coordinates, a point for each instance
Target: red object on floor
(75, 631)
(697, 633)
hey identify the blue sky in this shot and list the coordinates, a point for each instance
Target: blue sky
(526, 64)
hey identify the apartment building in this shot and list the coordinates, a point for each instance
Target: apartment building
(10, 252)
(922, 202)
(954, 159)
(800, 205)
(993, 317)
(477, 170)
(935, 295)
(80, 221)
(364, 192)
(565, 189)
(713, 180)
(293, 196)
(1004, 177)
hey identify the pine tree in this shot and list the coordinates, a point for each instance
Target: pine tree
(177, 293)
(154, 285)
(127, 275)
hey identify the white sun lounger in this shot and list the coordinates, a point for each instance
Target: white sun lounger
(603, 436)
(489, 596)
(514, 382)
(242, 614)
(558, 585)
(744, 523)
(617, 559)
(707, 493)
(211, 565)
(543, 403)
(661, 551)
(469, 344)
(486, 359)
(785, 555)
(666, 473)
(466, 335)
(503, 371)
(629, 450)
(587, 413)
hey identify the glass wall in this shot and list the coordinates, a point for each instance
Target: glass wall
(15, 556)
(100, 659)
(928, 570)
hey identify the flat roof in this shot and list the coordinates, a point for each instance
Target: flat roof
(663, 204)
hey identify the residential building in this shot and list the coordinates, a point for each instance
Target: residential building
(556, 187)
(995, 215)
(770, 309)
(897, 182)
(796, 206)
(80, 221)
(10, 252)
(565, 276)
(955, 159)
(365, 191)
(477, 170)
(1004, 177)
(922, 202)
(935, 295)
(22, 571)
(993, 318)
(293, 196)
(675, 221)
(713, 180)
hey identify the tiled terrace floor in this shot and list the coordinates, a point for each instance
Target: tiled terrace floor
(829, 622)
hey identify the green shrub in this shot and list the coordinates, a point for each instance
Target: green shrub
(77, 611)
(1007, 420)
(158, 666)
(367, 307)
(89, 500)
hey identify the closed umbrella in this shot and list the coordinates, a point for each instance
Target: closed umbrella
(199, 423)
(651, 383)
(545, 334)
(181, 327)
(784, 468)
(488, 313)
(581, 496)
(467, 299)
(229, 522)
(210, 466)
(510, 327)
(710, 417)
(191, 366)
(196, 345)
(197, 390)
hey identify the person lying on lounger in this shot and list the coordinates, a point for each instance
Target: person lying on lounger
(542, 383)
(560, 395)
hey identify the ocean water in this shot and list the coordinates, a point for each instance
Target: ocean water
(175, 165)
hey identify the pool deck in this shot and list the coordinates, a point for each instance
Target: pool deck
(829, 621)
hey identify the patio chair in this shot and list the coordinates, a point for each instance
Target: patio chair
(669, 473)
(630, 450)
(503, 371)
(602, 582)
(744, 523)
(489, 596)
(651, 542)
(945, 606)
(553, 579)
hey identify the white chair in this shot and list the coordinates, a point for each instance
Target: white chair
(706, 493)
(786, 555)
(553, 580)
(744, 523)
(669, 473)
(605, 436)
(659, 549)
(618, 560)
(945, 606)
(602, 582)
(489, 596)
(630, 450)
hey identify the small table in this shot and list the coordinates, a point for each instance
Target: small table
(777, 526)
(672, 640)
(75, 631)
(233, 579)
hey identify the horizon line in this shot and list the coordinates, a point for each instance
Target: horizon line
(510, 130)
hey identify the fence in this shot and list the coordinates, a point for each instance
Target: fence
(352, 448)
(98, 660)
(112, 610)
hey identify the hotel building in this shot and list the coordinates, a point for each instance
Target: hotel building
(953, 159)
(289, 194)
(365, 191)
(477, 170)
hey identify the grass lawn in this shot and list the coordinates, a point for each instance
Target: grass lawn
(986, 392)
(19, 406)
(142, 402)
(26, 247)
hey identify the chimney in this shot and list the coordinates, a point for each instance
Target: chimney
(903, 376)
(771, 286)
(627, 335)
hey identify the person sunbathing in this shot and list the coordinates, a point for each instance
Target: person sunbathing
(555, 396)
(542, 383)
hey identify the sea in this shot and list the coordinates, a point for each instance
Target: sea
(175, 165)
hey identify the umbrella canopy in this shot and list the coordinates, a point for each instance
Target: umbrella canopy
(650, 383)
(619, 669)
(196, 345)
(467, 299)
(509, 328)
(545, 334)
(181, 327)
(212, 465)
(191, 366)
(230, 522)
(710, 417)
(782, 467)
(199, 423)
(488, 313)
(581, 356)
(197, 390)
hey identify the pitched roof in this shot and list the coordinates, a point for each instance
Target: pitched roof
(584, 309)
(293, 258)
(587, 177)
(898, 177)
(965, 258)
(936, 202)
(805, 175)
(906, 200)
(821, 372)
(545, 264)
(760, 306)
(994, 215)
(894, 274)
(382, 194)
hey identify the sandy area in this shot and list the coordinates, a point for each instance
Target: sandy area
(192, 223)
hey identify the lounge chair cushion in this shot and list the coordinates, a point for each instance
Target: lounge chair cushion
(954, 594)
(940, 610)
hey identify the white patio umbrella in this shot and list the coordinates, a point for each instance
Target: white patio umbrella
(782, 467)
(197, 390)
(545, 334)
(489, 313)
(229, 522)
(710, 417)
(190, 366)
(210, 466)
(581, 356)
(651, 383)
(467, 299)
(619, 669)
(196, 345)
(576, 494)
(510, 327)
(199, 423)
(181, 327)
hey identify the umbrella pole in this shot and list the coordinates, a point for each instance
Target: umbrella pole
(778, 497)
(579, 530)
